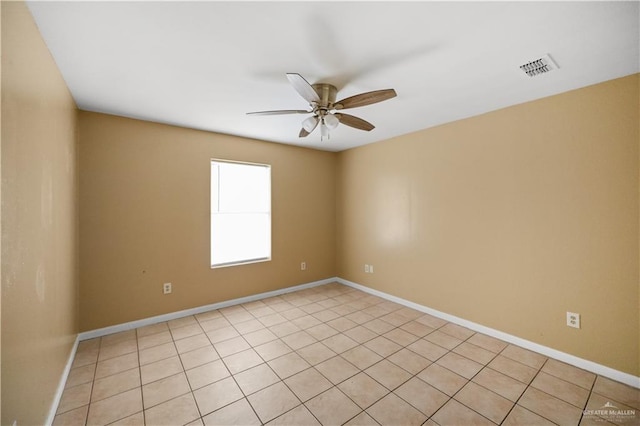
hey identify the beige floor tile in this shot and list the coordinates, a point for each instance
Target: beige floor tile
(123, 336)
(499, 383)
(293, 313)
(455, 414)
(568, 392)
(191, 343)
(332, 407)
(362, 419)
(151, 329)
(416, 328)
(524, 356)
(157, 353)
(165, 389)
(198, 357)
(569, 373)
(363, 390)
(89, 346)
(321, 331)
(361, 357)
(231, 346)
(182, 322)
(513, 369)
(457, 331)
(214, 324)
(306, 321)
(284, 329)
(299, 340)
(272, 350)
(273, 401)
(87, 356)
(378, 326)
(117, 349)
(288, 365)
(237, 413)
(343, 310)
(402, 337)
(259, 337)
(431, 321)
(607, 409)
(261, 312)
(442, 379)
(115, 408)
(312, 308)
(549, 407)
(460, 365)
(395, 319)
(422, 396)
(409, 360)
(307, 384)
(428, 350)
(242, 361)
(115, 384)
(391, 410)
(520, 416)
(75, 417)
(186, 331)
(340, 343)
(442, 339)
(239, 317)
(489, 404)
(80, 375)
(272, 319)
(360, 334)
(295, 417)
(222, 334)
(217, 395)
(316, 353)
(136, 419)
(247, 327)
(116, 365)
(207, 374)
(160, 369)
(618, 391)
(209, 315)
(256, 378)
(177, 411)
(383, 346)
(75, 397)
(325, 315)
(475, 353)
(487, 342)
(337, 369)
(388, 374)
(155, 339)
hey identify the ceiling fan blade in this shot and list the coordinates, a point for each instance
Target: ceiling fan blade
(281, 111)
(303, 133)
(367, 98)
(355, 122)
(303, 88)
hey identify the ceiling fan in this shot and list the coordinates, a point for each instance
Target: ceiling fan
(322, 100)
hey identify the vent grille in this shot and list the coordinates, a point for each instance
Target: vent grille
(539, 66)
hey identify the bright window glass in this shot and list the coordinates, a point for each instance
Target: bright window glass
(240, 213)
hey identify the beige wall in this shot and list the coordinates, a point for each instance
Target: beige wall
(509, 220)
(144, 219)
(39, 220)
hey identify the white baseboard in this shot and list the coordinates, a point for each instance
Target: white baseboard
(591, 366)
(200, 309)
(63, 381)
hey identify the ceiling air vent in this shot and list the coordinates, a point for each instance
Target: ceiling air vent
(539, 66)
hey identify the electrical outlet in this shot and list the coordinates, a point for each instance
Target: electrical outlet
(166, 288)
(303, 266)
(366, 269)
(573, 320)
(371, 269)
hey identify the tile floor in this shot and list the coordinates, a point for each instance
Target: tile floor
(328, 355)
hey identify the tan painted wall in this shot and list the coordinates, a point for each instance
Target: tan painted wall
(509, 220)
(39, 221)
(144, 218)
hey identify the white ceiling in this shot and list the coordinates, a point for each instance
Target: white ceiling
(203, 65)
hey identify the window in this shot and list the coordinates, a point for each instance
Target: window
(240, 213)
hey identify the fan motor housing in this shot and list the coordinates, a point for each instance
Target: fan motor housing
(327, 94)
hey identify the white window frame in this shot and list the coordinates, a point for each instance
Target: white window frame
(216, 211)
